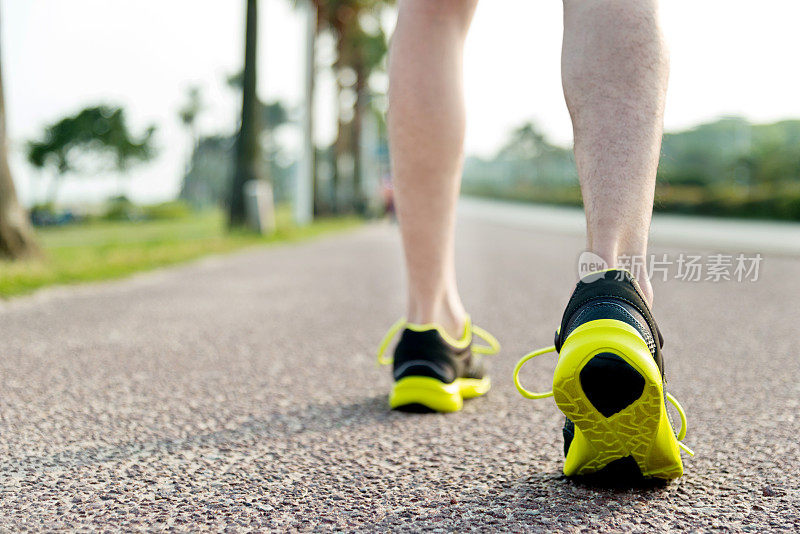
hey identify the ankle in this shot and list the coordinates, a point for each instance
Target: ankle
(633, 259)
(645, 286)
(448, 313)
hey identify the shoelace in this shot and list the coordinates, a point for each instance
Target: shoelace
(534, 395)
(492, 346)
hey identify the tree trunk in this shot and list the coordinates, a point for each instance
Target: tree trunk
(305, 190)
(342, 179)
(16, 235)
(320, 202)
(359, 201)
(341, 164)
(338, 144)
(248, 149)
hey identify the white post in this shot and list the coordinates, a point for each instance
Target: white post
(304, 184)
(259, 206)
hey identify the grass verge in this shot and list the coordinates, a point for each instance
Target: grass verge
(107, 250)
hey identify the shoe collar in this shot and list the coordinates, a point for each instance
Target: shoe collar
(461, 343)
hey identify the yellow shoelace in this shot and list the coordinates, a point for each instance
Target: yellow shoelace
(543, 395)
(492, 346)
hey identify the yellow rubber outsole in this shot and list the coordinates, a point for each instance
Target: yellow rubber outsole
(435, 394)
(641, 430)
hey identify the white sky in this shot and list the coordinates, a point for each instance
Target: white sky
(728, 57)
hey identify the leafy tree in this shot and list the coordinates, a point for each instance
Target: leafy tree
(191, 108)
(526, 142)
(774, 163)
(16, 236)
(99, 131)
(727, 167)
(528, 156)
(732, 151)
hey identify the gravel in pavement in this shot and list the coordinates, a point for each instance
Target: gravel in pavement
(241, 393)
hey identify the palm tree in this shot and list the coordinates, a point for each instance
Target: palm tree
(357, 52)
(16, 235)
(370, 50)
(248, 149)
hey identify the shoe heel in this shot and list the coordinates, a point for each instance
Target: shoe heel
(608, 384)
(428, 392)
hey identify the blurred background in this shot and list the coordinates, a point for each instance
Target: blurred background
(143, 133)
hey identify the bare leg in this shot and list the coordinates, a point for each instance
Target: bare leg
(614, 72)
(426, 136)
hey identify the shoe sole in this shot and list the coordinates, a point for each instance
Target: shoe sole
(435, 394)
(641, 429)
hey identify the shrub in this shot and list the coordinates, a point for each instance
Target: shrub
(121, 209)
(173, 209)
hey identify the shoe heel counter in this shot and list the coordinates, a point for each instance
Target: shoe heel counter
(423, 353)
(612, 309)
(606, 335)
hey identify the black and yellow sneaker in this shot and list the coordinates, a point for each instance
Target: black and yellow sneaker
(609, 381)
(434, 371)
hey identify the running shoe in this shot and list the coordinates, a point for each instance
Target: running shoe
(609, 382)
(434, 371)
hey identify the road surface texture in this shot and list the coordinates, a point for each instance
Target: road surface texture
(241, 393)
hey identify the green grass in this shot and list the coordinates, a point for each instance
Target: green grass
(106, 250)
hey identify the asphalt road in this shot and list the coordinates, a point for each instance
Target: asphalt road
(241, 393)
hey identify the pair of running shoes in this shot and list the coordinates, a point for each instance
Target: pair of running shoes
(608, 382)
